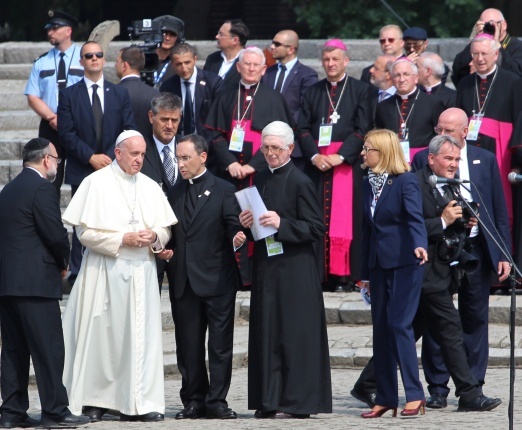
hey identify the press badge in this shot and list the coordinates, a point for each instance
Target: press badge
(237, 139)
(273, 247)
(474, 127)
(405, 146)
(325, 135)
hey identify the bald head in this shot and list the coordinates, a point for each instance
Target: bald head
(491, 15)
(284, 46)
(495, 17)
(454, 122)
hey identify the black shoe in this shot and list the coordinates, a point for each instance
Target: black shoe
(364, 396)
(221, 413)
(124, 417)
(479, 404)
(25, 422)
(151, 417)
(190, 412)
(95, 414)
(264, 414)
(437, 401)
(284, 415)
(67, 421)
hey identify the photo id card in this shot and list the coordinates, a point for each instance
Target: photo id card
(405, 146)
(325, 135)
(273, 247)
(474, 128)
(236, 140)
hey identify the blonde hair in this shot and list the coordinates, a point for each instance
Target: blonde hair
(392, 158)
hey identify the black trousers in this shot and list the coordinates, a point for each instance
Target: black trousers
(32, 328)
(192, 316)
(49, 133)
(437, 312)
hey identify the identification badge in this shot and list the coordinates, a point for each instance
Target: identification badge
(325, 135)
(405, 146)
(403, 132)
(474, 128)
(236, 140)
(273, 247)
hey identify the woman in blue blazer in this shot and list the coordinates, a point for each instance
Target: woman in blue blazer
(394, 249)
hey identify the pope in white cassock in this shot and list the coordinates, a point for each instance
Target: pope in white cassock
(112, 322)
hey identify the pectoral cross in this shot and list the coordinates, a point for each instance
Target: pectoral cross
(335, 117)
(133, 221)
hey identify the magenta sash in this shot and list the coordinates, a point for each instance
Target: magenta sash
(341, 228)
(501, 132)
(413, 151)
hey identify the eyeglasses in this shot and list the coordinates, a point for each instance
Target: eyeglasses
(483, 54)
(414, 45)
(185, 159)
(58, 159)
(440, 130)
(367, 149)
(278, 44)
(90, 55)
(221, 34)
(274, 149)
(253, 65)
(387, 40)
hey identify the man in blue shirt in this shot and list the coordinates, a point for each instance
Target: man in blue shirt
(56, 69)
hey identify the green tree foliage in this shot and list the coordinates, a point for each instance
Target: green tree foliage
(362, 19)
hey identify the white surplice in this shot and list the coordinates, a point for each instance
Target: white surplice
(112, 321)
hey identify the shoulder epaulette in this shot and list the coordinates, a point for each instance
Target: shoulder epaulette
(43, 55)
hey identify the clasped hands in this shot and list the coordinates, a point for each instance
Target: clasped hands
(268, 219)
(140, 238)
(326, 162)
(238, 171)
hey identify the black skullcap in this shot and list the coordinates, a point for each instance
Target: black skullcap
(36, 144)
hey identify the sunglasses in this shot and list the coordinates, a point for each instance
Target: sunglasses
(278, 44)
(90, 55)
(389, 40)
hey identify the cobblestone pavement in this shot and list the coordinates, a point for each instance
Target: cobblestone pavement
(346, 410)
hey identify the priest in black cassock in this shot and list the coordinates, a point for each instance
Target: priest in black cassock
(487, 98)
(335, 115)
(288, 358)
(411, 113)
(236, 119)
(431, 71)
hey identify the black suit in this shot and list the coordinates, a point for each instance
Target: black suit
(213, 64)
(206, 278)
(436, 309)
(140, 95)
(208, 85)
(34, 249)
(447, 96)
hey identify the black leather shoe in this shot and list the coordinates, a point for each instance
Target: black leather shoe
(264, 414)
(67, 421)
(284, 415)
(190, 412)
(481, 403)
(437, 401)
(22, 423)
(124, 417)
(221, 414)
(151, 417)
(95, 414)
(364, 396)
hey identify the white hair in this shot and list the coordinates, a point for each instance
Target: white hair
(252, 50)
(279, 129)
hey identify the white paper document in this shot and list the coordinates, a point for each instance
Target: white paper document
(250, 199)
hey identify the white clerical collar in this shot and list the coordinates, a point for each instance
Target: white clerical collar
(199, 176)
(487, 74)
(161, 145)
(247, 86)
(90, 83)
(118, 171)
(406, 96)
(334, 84)
(32, 168)
(278, 167)
(430, 89)
(132, 75)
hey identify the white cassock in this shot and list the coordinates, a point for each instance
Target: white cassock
(112, 322)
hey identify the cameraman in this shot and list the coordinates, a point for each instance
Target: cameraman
(436, 310)
(173, 31)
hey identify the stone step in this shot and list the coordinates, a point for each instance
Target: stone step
(11, 120)
(14, 100)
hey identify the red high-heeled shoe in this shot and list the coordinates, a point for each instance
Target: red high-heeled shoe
(415, 411)
(378, 413)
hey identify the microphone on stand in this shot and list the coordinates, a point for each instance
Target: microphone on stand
(434, 180)
(514, 178)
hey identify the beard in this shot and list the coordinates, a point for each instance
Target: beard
(51, 174)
